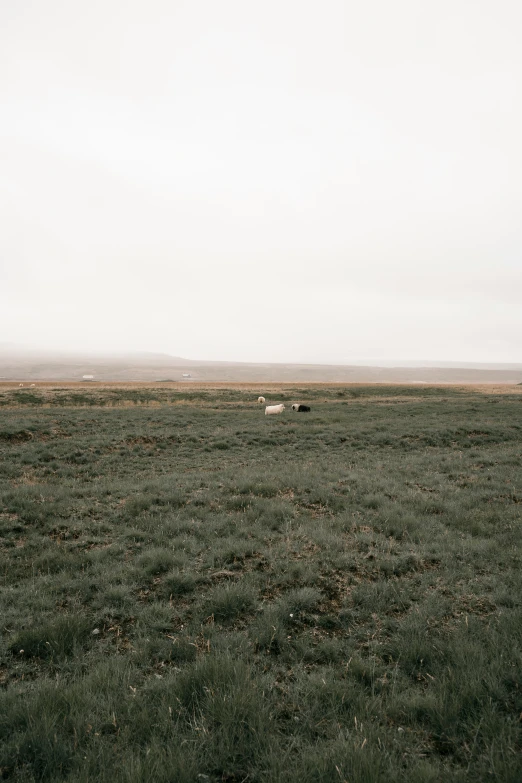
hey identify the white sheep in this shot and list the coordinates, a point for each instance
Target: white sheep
(274, 409)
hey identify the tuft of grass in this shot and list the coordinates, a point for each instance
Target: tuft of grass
(62, 638)
(155, 560)
(176, 583)
(297, 605)
(164, 651)
(230, 602)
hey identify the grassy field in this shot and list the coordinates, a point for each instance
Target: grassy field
(193, 592)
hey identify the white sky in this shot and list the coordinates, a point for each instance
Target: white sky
(284, 180)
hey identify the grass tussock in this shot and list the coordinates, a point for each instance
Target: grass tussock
(55, 640)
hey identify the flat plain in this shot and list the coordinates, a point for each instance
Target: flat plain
(192, 591)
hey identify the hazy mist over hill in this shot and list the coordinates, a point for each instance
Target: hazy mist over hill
(32, 365)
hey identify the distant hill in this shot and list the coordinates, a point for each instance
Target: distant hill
(31, 365)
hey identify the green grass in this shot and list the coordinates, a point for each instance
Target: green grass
(192, 591)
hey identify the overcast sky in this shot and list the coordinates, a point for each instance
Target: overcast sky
(283, 180)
